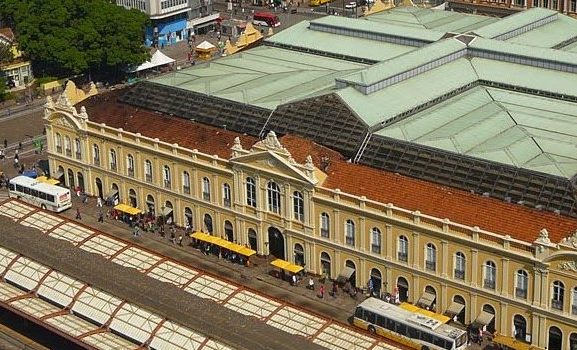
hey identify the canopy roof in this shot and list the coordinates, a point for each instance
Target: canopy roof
(205, 45)
(157, 59)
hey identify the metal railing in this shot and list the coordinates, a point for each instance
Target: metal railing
(96, 161)
(227, 202)
(431, 265)
(148, 177)
(490, 284)
(206, 196)
(402, 256)
(521, 293)
(376, 248)
(459, 274)
(350, 240)
(186, 189)
(557, 304)
(325, 232)
(130, 172)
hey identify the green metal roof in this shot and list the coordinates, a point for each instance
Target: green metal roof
(570, 48)
(354, 24)
(548, 35)
(527, 131)
(264, 76)
(301, 36)
(440, 21)
(515, 21)
(400, 64)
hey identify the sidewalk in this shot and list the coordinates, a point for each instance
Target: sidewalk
(257, 276)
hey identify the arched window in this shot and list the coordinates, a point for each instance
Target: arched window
(226, 195)
(206, 189)
(185, 182)
(555, 339)
(403, 249)
(574, 302)
(188, 217)
(299, 253)
(250, 192)
(150, 204)
(491, 323)
(326, 264)
(325, 225)
(521, 284)
(376, 240)
(148, 170)
(96, 154)
(558, 295)
(460, 265)
(132, 198)
(112, 160)
(519, 327)
(573, 341)
(252, 241)
(350, 232)
(58, 141)
(273, 196)
(167, 177)
(298, 206)
(208, 223)
(431, 257)
(67, 146)
(490, 275)
(375, 282)
(78, 148)
(130, 165)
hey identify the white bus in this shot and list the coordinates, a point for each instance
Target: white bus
(41, 194)
(411, 329)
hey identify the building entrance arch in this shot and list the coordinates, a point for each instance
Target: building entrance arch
(402, 289)
(228, 231)
(99, 190)
(276, 243)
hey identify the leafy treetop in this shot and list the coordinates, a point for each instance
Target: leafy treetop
(64, 37)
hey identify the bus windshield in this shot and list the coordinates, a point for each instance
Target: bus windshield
(266, 19)
(40, 194)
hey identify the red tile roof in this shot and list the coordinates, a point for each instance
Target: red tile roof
(206, 139)
(7, 34)
(459, 206)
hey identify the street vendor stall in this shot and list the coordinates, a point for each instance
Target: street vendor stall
(127, 209)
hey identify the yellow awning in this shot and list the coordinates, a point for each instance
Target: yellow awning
(205, 237)
(280, 263)
(287, 266)
(44, 179)
(127, 209)
(246, 251)
(513, 343)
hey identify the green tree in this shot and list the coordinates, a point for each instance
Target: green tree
(64, 37)
(5, 53)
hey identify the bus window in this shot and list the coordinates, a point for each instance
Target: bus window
(381, 321)
(359, 312)
(412, 333)
(401, 328)
(370, 317)
(19, 188)
(390, 325)
(11, 187)
(26, 190)
(42, 195)
(34, 192)
(427, 337)
(50, 198)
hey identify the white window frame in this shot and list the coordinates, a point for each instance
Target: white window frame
(298, 206)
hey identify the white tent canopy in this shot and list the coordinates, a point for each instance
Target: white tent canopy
(205, 45)
(157, 59)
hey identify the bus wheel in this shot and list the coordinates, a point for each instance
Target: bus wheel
(43, 207)
(372, 330)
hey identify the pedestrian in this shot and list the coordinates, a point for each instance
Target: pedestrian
(15, 162)
(311, 285)
(100, 217)
(78, 217)
(172, 238)
(334, 292)
(5, 143)
(180, 238)
(294, 280)
(322, 291)
(20, 145)
(16, 156)
(136, 231)
(99, 202)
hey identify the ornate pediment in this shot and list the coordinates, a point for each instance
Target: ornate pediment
(270, 156)
(570, 241)
(568, 266)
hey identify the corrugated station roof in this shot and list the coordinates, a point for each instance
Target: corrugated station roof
(441, 21)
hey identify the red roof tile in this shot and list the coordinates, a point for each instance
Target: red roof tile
(206, 139)
(429, 198)
(7, 34)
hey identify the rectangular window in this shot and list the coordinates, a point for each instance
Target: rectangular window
(226, 196)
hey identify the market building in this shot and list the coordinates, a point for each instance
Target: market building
(430, 152)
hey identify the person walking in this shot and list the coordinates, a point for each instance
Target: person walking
(20, 145)
(78, 217)
(5, 143)
(180, 238)
(100, 217)
(322, 291)
(99, 202)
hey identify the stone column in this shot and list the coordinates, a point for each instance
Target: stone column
(361, 243)
(505, 277)
(389, 242)
(475, 267)
(416, 256)
(444, 258)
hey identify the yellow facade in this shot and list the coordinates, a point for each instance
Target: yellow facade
(493, 266)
